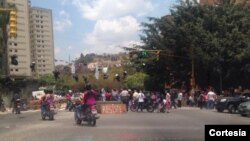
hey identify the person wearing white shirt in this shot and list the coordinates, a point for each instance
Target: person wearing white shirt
(211, 98)
(141, 97)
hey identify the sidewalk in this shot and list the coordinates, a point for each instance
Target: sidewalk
(9, 110)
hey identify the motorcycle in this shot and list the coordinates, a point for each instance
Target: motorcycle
(164, 106)
(72, 106)
(68, 105)
(89, 115)
(18, 106)
(147, 104)
(48, 112)
(2, 106)
(133, 106)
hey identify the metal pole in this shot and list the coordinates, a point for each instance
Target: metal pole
(192, 75)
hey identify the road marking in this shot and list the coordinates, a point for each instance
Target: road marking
(7, 126)
(84, 138)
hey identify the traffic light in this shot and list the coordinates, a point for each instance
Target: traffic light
(32, 66)
(143, 53)
(12, 23)
(105, 76)
(85, 79)
(158, 55)
(14, 60)
(125, 74)
(133, 54)
(76, 77)
(117, 77)
(56, 74)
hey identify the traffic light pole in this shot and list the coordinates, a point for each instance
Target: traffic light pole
(157, 53)
(6, 9)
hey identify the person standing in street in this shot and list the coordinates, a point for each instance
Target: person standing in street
(124, 97)
(179, 99)
(141, 97)
(211, 96)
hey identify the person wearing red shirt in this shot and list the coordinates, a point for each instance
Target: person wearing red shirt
(89, 99)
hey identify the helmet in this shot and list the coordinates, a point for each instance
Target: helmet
(88, 86)
(50, 91)
(45, 91)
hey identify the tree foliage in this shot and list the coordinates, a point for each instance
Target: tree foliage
(136, 81)
(216, 36)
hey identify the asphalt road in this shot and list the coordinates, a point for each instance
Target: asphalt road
(186, 124)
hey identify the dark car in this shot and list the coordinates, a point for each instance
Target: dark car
(231, 103)
(244, 108)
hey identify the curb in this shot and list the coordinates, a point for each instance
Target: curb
(27, 111)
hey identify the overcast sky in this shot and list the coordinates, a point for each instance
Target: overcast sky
(99, 26)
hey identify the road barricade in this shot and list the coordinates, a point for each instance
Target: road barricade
(35, 104)
(111, 107)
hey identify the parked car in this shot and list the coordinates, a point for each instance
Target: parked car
(231, 103)
(244, 108)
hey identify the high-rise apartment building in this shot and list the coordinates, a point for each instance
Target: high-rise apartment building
(20, 46)
(34, 41)
(41, 40)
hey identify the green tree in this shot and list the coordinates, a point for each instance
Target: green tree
(216, 36)
(136, 81)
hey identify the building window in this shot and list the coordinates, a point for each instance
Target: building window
(10, 43)
(43, 60)
(16, 69)
(15, 50)
(15, 44)
(11, 69)
(44, 66)
(10, 50)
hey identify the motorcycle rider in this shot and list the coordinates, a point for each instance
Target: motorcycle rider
(88, 100)
(50, 99)
(14, 101)
(43, 101)
(68, 98)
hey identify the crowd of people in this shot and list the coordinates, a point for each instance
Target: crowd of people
(173, 98)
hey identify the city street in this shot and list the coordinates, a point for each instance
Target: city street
(178, 125)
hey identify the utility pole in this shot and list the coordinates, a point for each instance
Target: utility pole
(192, 74)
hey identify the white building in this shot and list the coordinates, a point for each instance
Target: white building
(34, 41)
(20, 45)
(41, 40)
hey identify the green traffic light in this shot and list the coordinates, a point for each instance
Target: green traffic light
(144, 53)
